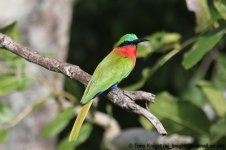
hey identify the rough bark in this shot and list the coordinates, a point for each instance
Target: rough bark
(124, 99)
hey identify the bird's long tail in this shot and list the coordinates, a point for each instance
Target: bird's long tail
(79, 121)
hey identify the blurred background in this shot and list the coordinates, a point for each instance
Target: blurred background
(183, 64)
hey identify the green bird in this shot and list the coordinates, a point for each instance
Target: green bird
(116, 66)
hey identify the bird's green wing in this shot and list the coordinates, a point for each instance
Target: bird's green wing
(111, 70)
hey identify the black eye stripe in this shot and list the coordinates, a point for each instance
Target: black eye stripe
(125, 43)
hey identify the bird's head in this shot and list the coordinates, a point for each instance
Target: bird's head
(129, 39)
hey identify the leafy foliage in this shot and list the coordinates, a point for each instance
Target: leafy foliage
(221, 7)
(83, 136)
(183, 64)
(203, 45)
(215, 97)
(59, 123)
(6, 113)
(218, 130)
(12, 76)
(177, 117)
(3, 136)
(179, 114)
(202, 14)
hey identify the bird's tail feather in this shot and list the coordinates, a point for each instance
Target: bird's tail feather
(79, 121)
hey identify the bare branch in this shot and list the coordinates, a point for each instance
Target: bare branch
(124, 99)
(51, 64)
(140, 95)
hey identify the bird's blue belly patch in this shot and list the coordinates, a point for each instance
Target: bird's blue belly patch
(111, 88)
(114, 86)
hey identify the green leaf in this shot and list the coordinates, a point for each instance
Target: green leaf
(221, 7)
(59, 123)
(11, 30)
(3, 135)
(10, 83)
(7, 84)
(158, 42)
(202, 14)
(218, 130)
(83, 136)
(14, 79)
(219, 74)
(73, 88)
(194, 95)
(162, 41)
(215, 97)
(6, 114)
(12, 60)
(202, 46)
(180, 116)
(144, 49)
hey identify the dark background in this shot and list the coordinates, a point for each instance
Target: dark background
(98, 24)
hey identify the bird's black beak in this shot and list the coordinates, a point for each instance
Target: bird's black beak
(139, 40)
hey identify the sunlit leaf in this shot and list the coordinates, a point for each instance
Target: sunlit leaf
(83, 136)
(14, 79)
(202, 14)
(215, 97)
(11, 30)
(6, 114)
(178, 116)
(201, 47)
(219, 74)
(221, 7)
(7, 83)
(59, 123)
(10, 83)
(218, 130)
(162, 41)
(144, 49)
(158, 42)
(3, 135)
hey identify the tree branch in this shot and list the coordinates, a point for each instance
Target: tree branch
(124, 99)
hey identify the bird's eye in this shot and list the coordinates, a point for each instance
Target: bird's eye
(125, 43)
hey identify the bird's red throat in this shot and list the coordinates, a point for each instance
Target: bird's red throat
(128, 51)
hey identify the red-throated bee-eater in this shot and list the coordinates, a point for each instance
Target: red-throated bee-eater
(116, 66)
